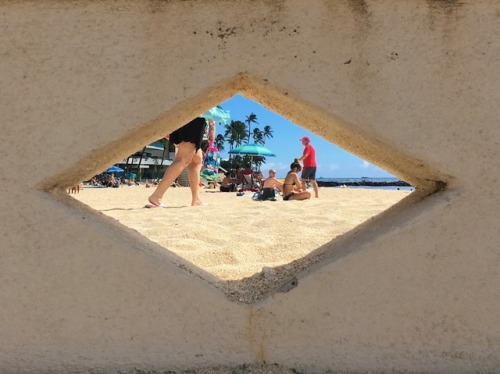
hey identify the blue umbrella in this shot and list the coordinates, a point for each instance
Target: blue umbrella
(114, 169)
(252, 150)
(217, 114)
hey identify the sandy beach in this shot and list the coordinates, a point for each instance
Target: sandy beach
(235, 238)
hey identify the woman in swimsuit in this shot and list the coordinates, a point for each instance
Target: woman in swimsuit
(187, 140)
(291, 185)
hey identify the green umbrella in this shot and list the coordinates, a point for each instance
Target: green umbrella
(252, 150)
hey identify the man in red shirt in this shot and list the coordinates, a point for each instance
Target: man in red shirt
(309, 161)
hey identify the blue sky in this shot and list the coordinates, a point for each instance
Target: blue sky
(333, 162)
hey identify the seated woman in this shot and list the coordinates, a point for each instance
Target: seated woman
(227, 184)
(292, 186)
(259, 178)
(238, 176)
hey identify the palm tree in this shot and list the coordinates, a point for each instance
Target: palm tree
(252, 118)
(268, 132)
(219, 142)
(235, 133)
(258, 161)
(258, 136)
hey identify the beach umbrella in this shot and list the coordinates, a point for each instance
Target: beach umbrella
(114, 169)
(252, 150)
(217, 114)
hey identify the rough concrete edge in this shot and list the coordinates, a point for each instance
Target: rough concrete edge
(350, 137)
(131, 239)
(99, 159)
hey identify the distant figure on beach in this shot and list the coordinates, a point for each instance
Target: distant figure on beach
(272, 182)
(111, 181)
(187, 140)
(292, 186)
(259, 178)
(228, 184)
(74, 189)
(269, 187)
(308, 159)
(239, 176)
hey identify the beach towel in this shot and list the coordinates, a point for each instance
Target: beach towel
(210, 168)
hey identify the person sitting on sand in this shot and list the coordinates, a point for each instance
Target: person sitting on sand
(228, 183)
(269, 188)
(239, 176)
(292, 186)
(259, 178)
(272, 182)
(111, 181)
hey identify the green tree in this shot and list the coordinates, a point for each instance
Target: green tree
(268, 132)
(234, 133)
(219, 142)
(252, 118)
(258, 136)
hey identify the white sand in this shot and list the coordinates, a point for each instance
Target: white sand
(234, 237)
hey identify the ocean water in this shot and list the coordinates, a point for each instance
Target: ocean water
(362, 179)
(395, 188)
(368, 180)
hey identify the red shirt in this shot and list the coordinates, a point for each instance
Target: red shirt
(310, 160)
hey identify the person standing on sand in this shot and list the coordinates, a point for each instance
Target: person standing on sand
(308, 159)
(187, 141)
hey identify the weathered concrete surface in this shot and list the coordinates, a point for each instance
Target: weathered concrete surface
(410, 86)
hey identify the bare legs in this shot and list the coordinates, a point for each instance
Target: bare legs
(194, 177)
(315, 188)
(314, 184)
(302, 195)
(186, 156)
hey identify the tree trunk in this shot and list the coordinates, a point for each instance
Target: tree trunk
(139, 165)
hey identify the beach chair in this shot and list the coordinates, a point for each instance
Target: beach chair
(249, 183)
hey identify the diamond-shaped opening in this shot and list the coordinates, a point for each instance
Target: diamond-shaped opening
(256, 228)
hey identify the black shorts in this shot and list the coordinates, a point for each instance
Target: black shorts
(268, 193)
(191, 132)
(230, 188)
(309, 173)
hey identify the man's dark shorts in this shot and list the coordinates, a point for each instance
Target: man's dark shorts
(309, 173)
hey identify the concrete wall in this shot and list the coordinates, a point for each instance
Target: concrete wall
(411, 86)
